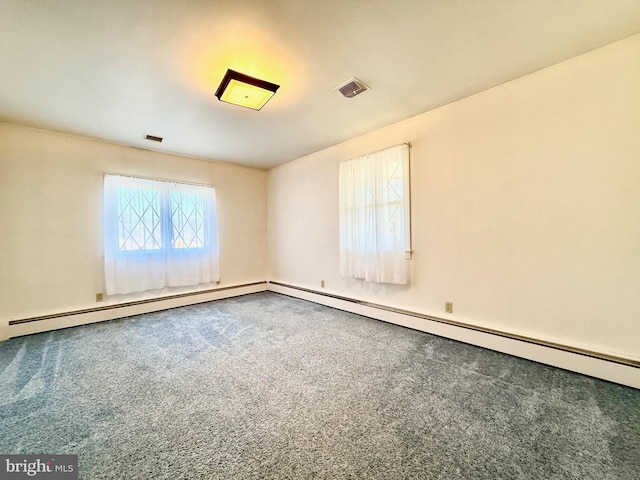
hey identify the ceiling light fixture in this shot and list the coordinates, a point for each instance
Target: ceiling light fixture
(246, 91)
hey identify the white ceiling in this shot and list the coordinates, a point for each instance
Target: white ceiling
(117, 69)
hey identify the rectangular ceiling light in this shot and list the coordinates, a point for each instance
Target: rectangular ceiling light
(246, 91)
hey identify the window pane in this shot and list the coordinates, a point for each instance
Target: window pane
(139, 219)
(374, 216)
(391, 227)
(187, 220)
(392, 183)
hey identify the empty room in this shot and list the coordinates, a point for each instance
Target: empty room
(289, 239)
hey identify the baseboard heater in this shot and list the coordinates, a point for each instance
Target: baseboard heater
(511, 336)
(130, 304)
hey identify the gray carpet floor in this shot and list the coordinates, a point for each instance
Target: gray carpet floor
(270, 387)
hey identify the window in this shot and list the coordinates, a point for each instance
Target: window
(158, 234)
(375, 216)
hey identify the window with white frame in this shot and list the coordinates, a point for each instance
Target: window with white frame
(158, 234)
(374, 210)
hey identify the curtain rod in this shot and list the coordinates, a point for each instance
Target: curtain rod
(140, 177)
(408, 144)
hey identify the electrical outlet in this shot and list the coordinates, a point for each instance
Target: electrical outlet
(448, 307)
(322, 283)
(99, 297)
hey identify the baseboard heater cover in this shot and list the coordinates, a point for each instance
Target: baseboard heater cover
(507, 335)
(133, 303)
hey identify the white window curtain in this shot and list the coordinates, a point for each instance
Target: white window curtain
(158, 234)
(375, 216)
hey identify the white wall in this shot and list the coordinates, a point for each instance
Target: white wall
(51, 217)
(525, 201)
(525, 204)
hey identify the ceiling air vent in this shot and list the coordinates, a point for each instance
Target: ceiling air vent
(351, 88)
(152, 138)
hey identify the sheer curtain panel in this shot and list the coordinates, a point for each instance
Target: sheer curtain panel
(158, 234)
(375, 216)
